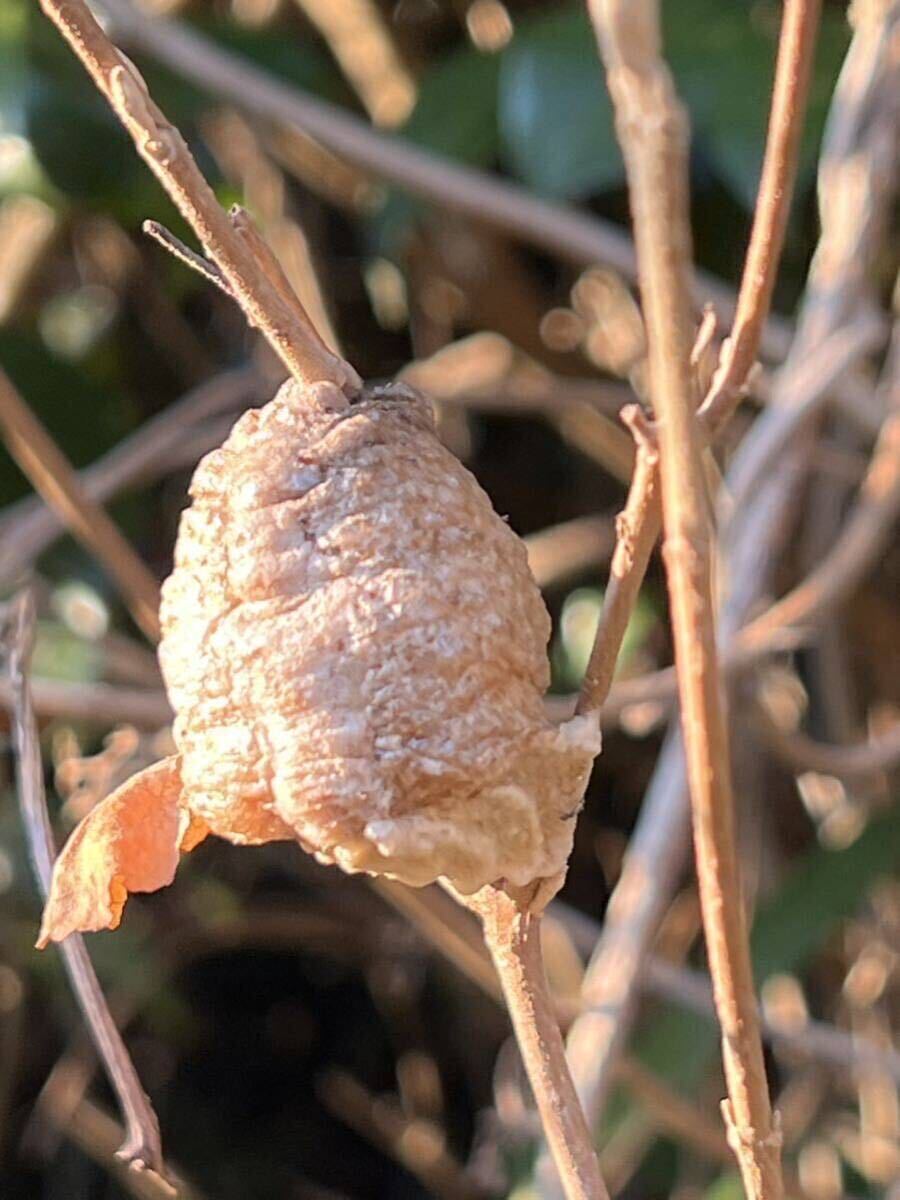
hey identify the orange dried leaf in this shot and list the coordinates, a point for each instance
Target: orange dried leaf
(129, 843)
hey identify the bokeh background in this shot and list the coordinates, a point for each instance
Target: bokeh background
(301, 1039)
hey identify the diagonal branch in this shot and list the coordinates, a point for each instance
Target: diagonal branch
(166, 153)
(54, 478)
(141, 1148)
(652, 129)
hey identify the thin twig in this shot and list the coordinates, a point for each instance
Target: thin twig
(856, 548)
(53, 476)
(512, 934)
(642, 518)
(456, 937)
(97, 1134)
(796, 49)
(141, 1148)
(572, 235)
(653, 132)
(854, 761)
(28, 527)
(190, 258)
(95, 703)
(627, 570)
(166, 153)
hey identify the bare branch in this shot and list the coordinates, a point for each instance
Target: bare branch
(512, 935)
(53, 477)
(95, 703)
(653, 132)
(855, 185)
(796, 48)
(627, 570)
(854, 761)
(642, 519)
(28, 527)
(141, 1148)
(190, 258)
(166, 153)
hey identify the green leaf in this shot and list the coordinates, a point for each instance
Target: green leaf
(826, 886)
(456, 110)
(60, 654)
(554, 113)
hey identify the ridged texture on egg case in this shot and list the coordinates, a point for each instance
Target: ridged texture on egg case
(356, 651)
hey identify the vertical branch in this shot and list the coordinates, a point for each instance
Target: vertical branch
(512, 933)
(652, 129)
(166, 153)
(642, 518)
(141, 1148)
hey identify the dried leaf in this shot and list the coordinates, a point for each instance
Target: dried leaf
(129, 843)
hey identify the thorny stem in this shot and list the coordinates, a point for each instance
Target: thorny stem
(166, 153)
(54, 478)
(642, 517)
(512, 933)
(652, 129)
(141, 1149)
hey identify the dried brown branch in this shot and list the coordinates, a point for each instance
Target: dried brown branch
(166, 153)
(418, 1145)
(96, 1133)
(512, 934)
(858, 760)
(141, 1148)
(627, 570)
(796, 48)
(653, 132)
(572, 235)
(455, 937)
(241, 155)
(642, 518)
(855, 185)
(788, 620)
(54, 478)
(190, 258)
(28, 527)
(96, 703)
